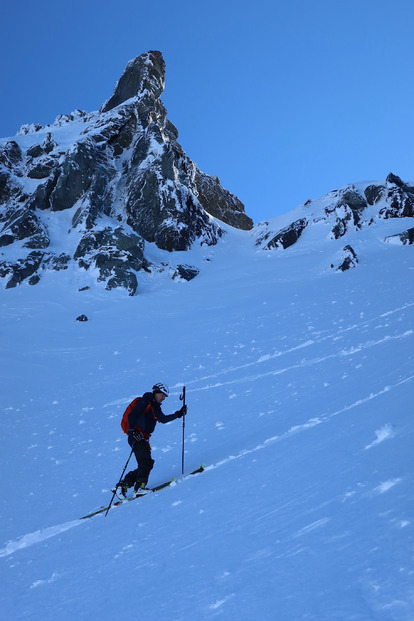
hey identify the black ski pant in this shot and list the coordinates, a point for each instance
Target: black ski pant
(142, 452)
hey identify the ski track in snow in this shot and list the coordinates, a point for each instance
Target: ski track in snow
(308, 343)
(303, 363)
(386, 432)
(312, 422)
(37, 537)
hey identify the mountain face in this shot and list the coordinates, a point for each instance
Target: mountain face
(92, 190)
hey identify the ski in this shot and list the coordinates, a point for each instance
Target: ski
(154, 489)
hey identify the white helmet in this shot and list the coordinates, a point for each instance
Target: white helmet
(160, 387)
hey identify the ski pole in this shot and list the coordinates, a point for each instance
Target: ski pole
(120, 479)
(182, 398)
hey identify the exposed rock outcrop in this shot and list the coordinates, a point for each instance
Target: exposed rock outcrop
(347, 260)
(347, 211)
(406, 238)
(185, 272)
(285, 238)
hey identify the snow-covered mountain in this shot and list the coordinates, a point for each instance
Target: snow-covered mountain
(93, 193)
(295, 344)
(350, 209)
(299, 381)
(107, 183)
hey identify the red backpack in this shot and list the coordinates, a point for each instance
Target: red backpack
(124, 421)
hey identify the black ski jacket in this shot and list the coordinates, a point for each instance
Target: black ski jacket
(145, 415)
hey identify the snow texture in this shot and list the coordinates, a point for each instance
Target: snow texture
(299, 382)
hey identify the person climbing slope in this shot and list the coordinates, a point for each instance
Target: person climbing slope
(139, 421)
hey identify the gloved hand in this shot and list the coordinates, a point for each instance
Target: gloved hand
(137, 435)
(180, 413)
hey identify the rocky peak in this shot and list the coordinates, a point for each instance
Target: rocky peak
(121, 183)
(144, 75)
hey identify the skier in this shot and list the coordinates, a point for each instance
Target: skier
(142, 418)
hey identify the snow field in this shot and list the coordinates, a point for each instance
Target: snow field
(299, 386)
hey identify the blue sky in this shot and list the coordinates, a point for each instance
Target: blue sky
(282, 101)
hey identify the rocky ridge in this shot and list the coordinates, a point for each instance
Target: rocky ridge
(108, 183)
(344, 212)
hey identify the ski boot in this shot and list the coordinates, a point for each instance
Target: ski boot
(121, 490)
(140, 489)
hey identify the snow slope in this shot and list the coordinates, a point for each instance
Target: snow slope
(299, 385)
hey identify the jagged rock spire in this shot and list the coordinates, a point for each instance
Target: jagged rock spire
(127, 180)
(143, 75)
